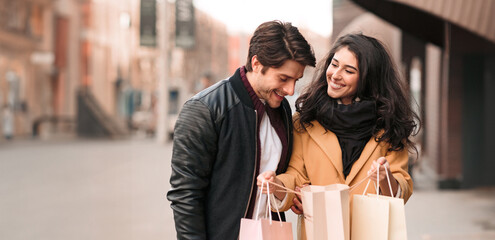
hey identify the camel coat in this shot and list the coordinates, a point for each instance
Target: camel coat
(317, 160)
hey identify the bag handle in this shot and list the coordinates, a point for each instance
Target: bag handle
(269, 208)
(377, 182)
(351, 188)
(377, 187)
(287, 190)
(388, 180)
(259, 199)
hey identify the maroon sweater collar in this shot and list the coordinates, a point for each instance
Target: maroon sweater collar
(276, 120)
(258, 105)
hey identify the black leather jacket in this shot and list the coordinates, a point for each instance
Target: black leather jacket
(213, 161)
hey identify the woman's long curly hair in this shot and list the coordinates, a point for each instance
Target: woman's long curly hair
(379, 81)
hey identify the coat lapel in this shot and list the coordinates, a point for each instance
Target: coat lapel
(365, 155)
(329, 144)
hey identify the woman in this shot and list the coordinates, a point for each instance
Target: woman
(353, 117)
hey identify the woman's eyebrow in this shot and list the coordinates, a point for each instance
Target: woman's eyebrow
(350, 66)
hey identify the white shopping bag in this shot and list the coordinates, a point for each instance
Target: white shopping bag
(377, 217)
(326, 212)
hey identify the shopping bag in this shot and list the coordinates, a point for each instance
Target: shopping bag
(397, 229)
(370, 218)
(378, 217)
(265, 228)
(326, 212)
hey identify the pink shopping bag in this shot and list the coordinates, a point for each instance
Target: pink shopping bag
(265, 228)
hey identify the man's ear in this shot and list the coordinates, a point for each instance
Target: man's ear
(255, 64)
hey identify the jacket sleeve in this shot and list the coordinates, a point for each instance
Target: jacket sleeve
(296, 174)
(192, 158)
(398, 161)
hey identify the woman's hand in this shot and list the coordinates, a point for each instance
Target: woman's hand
(270, 176)
(380, 164)
(297, 208)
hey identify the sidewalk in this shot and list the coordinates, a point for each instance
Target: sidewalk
(451, 215)
(79, 189)
(433, 214)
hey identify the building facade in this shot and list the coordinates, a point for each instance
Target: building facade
(26, 59)
(51, 51)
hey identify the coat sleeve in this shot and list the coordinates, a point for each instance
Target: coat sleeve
(192, 158)
(296, 174)
(398, 161)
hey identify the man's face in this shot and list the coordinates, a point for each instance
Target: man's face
(276, 83)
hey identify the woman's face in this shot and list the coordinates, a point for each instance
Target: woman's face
(343, 76)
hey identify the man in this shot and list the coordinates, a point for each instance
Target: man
(230, 132)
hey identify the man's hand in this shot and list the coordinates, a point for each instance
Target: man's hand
(270, 176)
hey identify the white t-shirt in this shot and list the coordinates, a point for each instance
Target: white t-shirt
(271, 150)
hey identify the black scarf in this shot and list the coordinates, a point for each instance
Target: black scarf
(353, 125)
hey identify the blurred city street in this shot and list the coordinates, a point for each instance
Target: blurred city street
(76, 72)
(82, 189)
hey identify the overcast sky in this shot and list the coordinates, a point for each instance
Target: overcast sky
(245, 16)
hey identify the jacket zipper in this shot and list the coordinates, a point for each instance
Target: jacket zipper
(255, 161)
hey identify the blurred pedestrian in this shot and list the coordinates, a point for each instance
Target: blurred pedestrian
(205, 81)
(8, 122)
(352, 119)
(232, 131)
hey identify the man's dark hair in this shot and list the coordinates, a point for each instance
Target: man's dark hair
(275, 42)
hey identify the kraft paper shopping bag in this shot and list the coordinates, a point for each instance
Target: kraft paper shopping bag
(265, 228)
(326, 212)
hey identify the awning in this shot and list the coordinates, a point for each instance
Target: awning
(425, 19)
